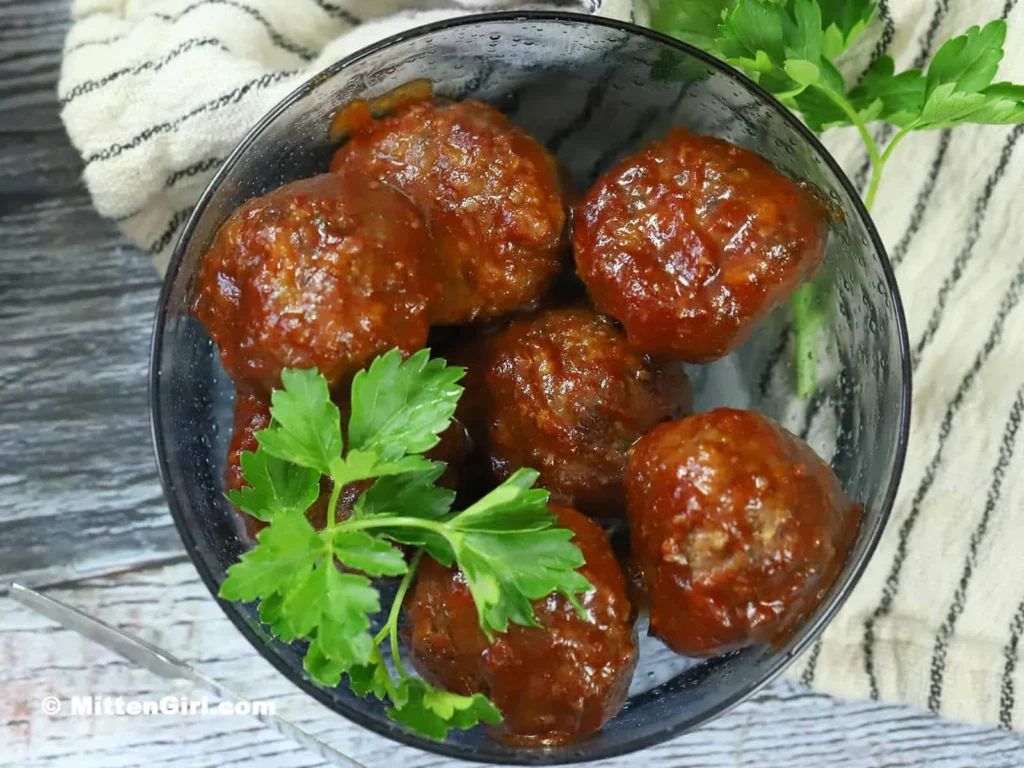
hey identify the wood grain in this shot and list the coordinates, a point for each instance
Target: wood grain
(784, 726)
(81, 493)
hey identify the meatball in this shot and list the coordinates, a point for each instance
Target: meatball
(692, 241)
(738, 526)
(568, 396)
(328, 272)
(553, 684)
(490, 193)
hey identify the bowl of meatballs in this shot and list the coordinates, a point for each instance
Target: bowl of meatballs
(606, 229)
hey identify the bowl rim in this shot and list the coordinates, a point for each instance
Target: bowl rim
(793, 648)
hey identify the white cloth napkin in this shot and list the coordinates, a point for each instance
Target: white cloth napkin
(155, 93)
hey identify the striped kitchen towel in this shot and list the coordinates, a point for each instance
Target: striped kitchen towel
(938, 617)
(152, 125)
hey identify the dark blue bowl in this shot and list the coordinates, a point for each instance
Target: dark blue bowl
(593, 91)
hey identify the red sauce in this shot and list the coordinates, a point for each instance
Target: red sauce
(328, 272)
(690, 242)
(490, 193)
(738, 526)
(553, 684)
(568, 396)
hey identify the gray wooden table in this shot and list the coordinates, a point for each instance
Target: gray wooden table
(81, 511)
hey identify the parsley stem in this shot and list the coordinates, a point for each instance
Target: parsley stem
(396, 607)
(389, 521)
(807, 314)
(840, 101)
(806, 321)
(332, 505)
(877, 166)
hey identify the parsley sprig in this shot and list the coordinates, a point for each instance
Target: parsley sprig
(507, 544)
(790, 48)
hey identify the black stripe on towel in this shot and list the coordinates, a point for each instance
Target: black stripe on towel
(208, 164)
(646, 123)
(87, 43)
(929, 36)
(777, 355)
(188, 172)
(153, 65)
(167, 236)
(595, 95)
(886, 132)
(898, 253)
(981, 208)
(888, 32)
(304, 53)
(924, 196)
(845, 434)
(807, 676)
(1010, 655)
(956, 608)
(337, 12)
(231, 97)
(1007, 304)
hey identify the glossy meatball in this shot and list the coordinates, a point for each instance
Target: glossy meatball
(738, 526)
(330, 271)
(568, 396)
(553, 684)
(692, 241)
(491, 194)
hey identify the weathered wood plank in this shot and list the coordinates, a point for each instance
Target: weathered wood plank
(783, 726)
(81, 493)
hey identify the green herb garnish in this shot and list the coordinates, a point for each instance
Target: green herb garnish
(507, 544)
(789, 47)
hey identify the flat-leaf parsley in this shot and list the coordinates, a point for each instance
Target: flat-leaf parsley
(507, 543)
(789, 48)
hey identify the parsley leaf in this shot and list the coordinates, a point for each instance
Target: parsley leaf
(970, 60)
(694, 23)
(362, 552)
(304, 593)
(370, 679)
(365, 465)
(305, 426)
(434, 712)
(336, 605)
(401, 407)
(507, 564)
(413, 493)
(288, 546)
(505, 573)
(884, 95)
(276, 487)
(320, 667)
(842, 21)
(507, 543)
(515, 505)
